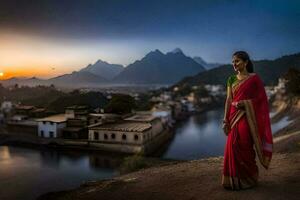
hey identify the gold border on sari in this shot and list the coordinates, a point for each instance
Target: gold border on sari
(236, 183)
(250, 113)
(238, 115)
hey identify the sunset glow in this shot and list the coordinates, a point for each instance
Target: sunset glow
(53, 42)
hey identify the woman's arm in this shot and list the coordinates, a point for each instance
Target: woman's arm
(227, 104)
(226, 111)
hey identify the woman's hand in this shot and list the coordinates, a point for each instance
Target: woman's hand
(238, 104)
(225, 127)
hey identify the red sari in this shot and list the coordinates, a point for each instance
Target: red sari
(249, 127)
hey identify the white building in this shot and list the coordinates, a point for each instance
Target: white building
(129, 135)
(51, 127)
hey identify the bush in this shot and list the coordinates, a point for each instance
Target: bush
(133, 163)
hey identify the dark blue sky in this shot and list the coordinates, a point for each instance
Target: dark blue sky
(212, 29)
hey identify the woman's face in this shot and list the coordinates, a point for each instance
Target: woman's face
(238, 64)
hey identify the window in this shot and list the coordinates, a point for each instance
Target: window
(136, 137)
(113, 136)
(42, 133)
(96, 136)
(105, 136)
(44, 122)
(51, 123)
(96, 121)
(51, 134)
(124, 137)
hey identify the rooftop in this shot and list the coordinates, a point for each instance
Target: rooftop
(123, 126)
(54, 118)
(22, 107)
(141, 118)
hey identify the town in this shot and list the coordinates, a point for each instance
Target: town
(116, 126)
(108, 128)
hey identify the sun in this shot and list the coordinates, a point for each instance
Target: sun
(1, 74)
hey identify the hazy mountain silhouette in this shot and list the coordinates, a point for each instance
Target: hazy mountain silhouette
(207, 66)
(82, 78)
(159, 68)
(103, 69)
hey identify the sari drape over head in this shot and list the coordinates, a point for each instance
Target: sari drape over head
(249, 127)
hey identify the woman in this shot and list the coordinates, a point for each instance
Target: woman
(247, 125)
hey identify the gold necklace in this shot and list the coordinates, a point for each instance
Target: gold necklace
(242, 78)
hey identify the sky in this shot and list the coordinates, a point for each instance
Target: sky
(46, 38)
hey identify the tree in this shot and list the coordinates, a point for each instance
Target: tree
(293, 81)
(121, 104)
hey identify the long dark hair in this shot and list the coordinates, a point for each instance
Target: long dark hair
(245, 57)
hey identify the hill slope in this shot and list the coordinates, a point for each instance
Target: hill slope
(269, 71)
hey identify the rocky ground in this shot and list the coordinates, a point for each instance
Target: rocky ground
(198, 179)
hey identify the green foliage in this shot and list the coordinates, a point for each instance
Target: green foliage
(39, 96)
(133, 163)
(121, 104)
(183, 90)
(144, 102)
(51, 98)
(91, 99)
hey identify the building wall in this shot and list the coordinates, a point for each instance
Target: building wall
(157, 127)
(48, 127)
(130, 136)
(59, 128)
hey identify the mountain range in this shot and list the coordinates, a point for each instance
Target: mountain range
(158, 68)
(154, 68)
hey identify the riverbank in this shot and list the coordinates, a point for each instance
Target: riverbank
(198, 179)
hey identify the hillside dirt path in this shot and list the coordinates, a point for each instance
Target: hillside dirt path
(199, 179)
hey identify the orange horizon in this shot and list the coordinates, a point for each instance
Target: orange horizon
(29, 72)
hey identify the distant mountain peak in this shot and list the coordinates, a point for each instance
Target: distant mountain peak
(155, 53)
(101, 62)
(177, 50)
(103, 69)
(159, 68)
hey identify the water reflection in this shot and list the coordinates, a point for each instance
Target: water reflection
(198, 137)
(201, 136)
(34, 172)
